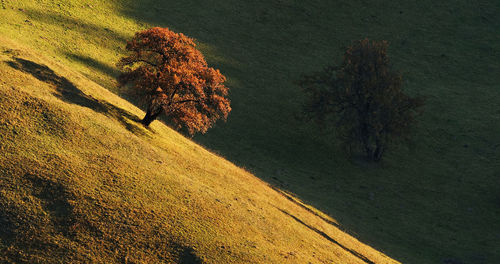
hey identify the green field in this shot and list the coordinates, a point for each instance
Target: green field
(436, 201)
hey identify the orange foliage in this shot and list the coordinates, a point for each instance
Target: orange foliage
(172, 77)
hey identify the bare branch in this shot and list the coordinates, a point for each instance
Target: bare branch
(186, 101)
(147, 62)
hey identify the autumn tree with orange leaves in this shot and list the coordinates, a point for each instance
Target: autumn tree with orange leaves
(171, 77)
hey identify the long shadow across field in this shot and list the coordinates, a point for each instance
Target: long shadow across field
(423, 207)
(327, 237)
(94, 64)
(68, 92)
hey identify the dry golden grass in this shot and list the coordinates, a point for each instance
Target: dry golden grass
(81, 181)
(435, 202)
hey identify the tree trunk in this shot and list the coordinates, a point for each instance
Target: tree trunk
(366, 143)
(377, 155)
(379, 150)
(150, 116)
(369, 151)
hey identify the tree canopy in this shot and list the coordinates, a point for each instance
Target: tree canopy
(171, 77)
(363, 99)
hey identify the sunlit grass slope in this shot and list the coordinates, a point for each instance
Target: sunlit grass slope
(437, 202)
(82, 181)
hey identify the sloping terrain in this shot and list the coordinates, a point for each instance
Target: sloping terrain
(435, 202)
(82, 181)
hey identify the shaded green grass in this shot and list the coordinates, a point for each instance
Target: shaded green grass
(434, 202)
(81, 181)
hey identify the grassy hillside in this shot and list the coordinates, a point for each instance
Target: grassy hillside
(436, 202)
(82, 182)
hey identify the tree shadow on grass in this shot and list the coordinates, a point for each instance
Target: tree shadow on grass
(68, 92)
(327, 237)
(113, 72)
(84, 28)
(188, 256)
(93, 63)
